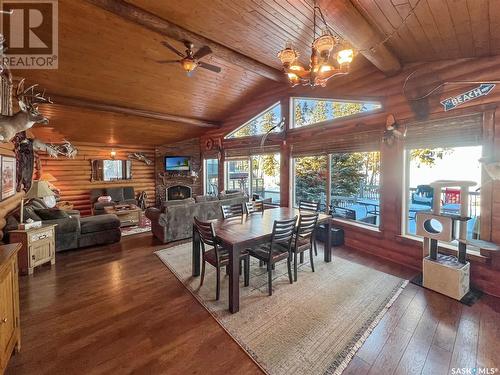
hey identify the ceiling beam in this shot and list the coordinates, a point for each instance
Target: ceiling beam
(354, 27)
(157, 24)
(87, 104)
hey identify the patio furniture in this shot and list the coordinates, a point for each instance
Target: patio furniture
(217, 256)
(423, 195)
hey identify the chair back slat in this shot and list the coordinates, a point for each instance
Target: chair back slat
(283, 231)
(307, 224)
(254, 206)
(206, 231)
(233, 210)
(309, 206)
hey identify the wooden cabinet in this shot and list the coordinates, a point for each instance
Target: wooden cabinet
(38, 247)
(10, 334)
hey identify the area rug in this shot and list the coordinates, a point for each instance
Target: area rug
(144, 226)
(313, 326)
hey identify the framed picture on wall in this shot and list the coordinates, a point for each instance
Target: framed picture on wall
(8, 183)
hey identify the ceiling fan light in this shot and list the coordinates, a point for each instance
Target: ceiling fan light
(189, 65)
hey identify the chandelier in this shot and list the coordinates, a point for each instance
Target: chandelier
(330, 56)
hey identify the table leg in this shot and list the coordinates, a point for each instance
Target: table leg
(328, 241)
(234, 279)
(196, 252)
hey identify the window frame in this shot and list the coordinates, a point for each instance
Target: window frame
(337, 119)
(205, 174)
(250, 173)
(228, 135)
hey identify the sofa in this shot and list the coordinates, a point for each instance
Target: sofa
(119, 195)
(72, 231)
(174, 220)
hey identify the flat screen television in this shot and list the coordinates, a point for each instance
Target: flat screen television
(177, 164)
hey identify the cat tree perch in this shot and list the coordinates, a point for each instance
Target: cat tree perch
(445, 274)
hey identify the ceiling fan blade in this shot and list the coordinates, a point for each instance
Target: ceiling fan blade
(202, 52)
(171, 48)
(168, 61)
(211, 67)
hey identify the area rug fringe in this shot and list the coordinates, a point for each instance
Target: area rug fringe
(339, 365)
(344, 358)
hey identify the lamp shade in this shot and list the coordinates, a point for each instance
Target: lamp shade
(39, 189)
(47, 177)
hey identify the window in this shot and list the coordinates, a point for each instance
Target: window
(424, 166)
(211, 182)
(256, 175)
(308, 111)
(355, 179)
(238, 175)
(117, 170)
(260, 124)
(309, 174)
(266, 177)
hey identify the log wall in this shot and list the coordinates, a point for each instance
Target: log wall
(73, 175)
(387, 241)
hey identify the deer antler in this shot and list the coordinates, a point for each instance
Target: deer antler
(29, 97)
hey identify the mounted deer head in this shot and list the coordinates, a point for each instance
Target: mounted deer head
(28, 115)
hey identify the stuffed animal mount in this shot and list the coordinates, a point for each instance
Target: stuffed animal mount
(65, 149)
(139, 156)
(28, 100)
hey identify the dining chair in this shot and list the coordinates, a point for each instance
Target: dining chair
(233, 210)
(254, 206)
(276, 250)
(309, 206)
(214, 254)
(304, 239)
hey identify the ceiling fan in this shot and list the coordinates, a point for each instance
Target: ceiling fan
(191, 60)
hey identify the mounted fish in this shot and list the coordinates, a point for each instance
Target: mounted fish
(140, 157)
(28, 115)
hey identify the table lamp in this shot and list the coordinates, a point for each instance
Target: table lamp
(39, 189)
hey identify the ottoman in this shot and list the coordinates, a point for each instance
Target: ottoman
(99, 230)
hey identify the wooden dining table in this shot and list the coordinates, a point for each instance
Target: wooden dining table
(238, 233)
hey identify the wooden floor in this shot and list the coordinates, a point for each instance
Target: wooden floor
(118, 309)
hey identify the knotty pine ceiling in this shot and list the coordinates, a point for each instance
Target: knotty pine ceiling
(107, 59)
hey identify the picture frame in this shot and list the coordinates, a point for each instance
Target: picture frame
(8, 180)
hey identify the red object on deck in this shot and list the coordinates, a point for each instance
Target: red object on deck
(451, 195)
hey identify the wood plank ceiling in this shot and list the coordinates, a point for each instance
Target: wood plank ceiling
(107, 59)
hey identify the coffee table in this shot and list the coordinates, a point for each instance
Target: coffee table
(129, 214)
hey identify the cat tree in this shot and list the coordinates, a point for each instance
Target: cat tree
(446, 274)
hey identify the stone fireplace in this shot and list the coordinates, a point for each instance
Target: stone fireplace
(178, 192)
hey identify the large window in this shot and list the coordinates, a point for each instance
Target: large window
(238, 175)
(211, 167)
(263, 123)
(424, 166)
(257, 175)
(309, 174)
(355, 179)
(266, 177)
(308, 111)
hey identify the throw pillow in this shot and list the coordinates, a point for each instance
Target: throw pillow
(51, 214)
